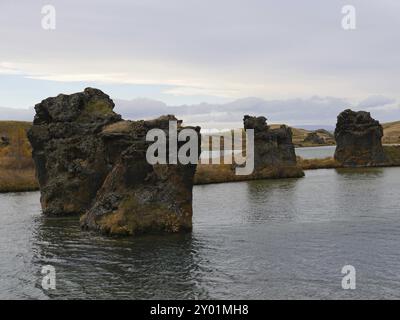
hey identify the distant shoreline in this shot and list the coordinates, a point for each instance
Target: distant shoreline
(17, 173)
(25, 180)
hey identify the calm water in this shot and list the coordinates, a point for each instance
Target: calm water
(305, 153)
(316, 152)
(259, 239)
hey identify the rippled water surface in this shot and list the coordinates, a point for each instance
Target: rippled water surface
(251, 240)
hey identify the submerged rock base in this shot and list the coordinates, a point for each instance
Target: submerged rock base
(359, 140)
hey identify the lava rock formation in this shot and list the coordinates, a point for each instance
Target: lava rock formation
(359, 140)
(89, 161)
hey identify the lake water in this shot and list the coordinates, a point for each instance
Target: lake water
(251, 240)
(316, 152)
(305, 153)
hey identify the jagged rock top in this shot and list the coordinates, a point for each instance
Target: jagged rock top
(127, 126)
(91, 105)
(67, 150)
(257, 123)
(356, 122)
(263, 131)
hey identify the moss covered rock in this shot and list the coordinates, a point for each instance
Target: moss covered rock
(91, 162)
(68, 151)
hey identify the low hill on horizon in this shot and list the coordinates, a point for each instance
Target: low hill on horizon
(391, 132)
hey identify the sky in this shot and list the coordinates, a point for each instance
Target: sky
(209, 62)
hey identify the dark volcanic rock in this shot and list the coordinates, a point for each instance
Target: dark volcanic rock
(91, 162)
(272, 147)
(67, 150)
(138, 197)
(4, 141)
(359, 140)
(314, 138)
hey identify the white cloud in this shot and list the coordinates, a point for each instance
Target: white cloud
(193, 91)
(270, 49)
(376, 101)
(315, 111)
(281, 51)
(8, 68)
(388, 108)
(16, 114)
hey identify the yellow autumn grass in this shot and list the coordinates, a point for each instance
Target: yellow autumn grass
(17, 172)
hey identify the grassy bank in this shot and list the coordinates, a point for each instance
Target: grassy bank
(17, 172)
(393, 154)
(18, 180)
(218, 173)
(312, 164)
(391, 131)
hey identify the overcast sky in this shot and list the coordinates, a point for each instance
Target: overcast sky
(288, 60)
